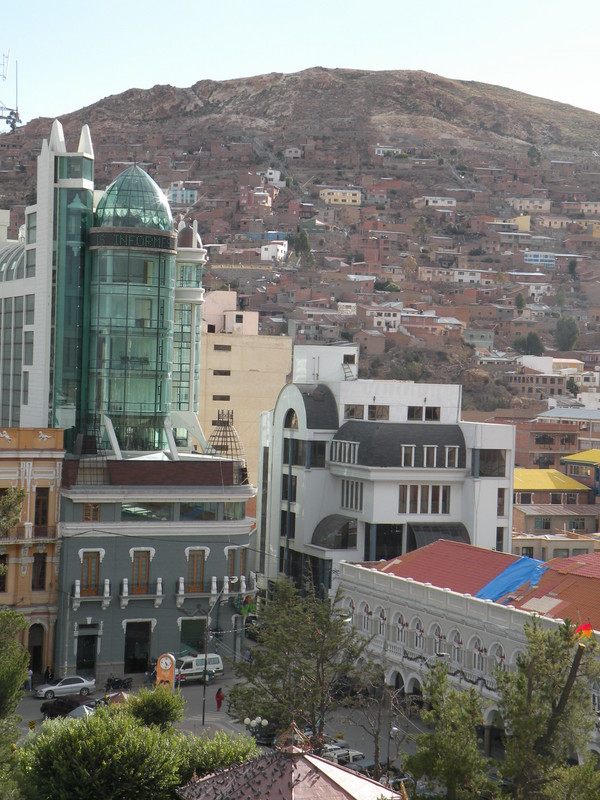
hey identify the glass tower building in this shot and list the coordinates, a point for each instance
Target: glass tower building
(131, 307)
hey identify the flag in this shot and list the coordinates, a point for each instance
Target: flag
(584, 630)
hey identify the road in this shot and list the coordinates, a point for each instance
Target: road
(338, 724)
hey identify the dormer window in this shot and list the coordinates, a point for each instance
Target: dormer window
(408, 455)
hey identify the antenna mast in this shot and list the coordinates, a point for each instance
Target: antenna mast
(11, 115)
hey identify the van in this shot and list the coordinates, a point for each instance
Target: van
(192, 667)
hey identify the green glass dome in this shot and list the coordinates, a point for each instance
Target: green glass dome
(134, 200)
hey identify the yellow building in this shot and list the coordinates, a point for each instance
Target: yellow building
(32, 459)
(523, 222)
(340, 197)
(240, 370)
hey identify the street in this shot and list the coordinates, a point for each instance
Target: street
(338, 724)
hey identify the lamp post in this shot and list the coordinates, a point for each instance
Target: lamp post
(231, 580)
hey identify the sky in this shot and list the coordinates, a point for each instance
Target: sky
(73, 53)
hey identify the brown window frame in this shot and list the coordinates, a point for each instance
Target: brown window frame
(196, 561)
(141, 564)
(90, 573)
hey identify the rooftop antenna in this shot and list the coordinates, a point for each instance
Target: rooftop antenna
(11, 115)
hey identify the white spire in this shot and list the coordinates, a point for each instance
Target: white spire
(85, 142)
(57, 138)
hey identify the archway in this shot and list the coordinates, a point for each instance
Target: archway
(35, 645)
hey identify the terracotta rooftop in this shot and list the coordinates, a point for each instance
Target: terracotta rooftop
(277, 775)
(453, 565)
(569, 589)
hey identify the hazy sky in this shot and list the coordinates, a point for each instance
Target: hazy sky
(73, 53)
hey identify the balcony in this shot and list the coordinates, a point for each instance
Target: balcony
(27, 531)
(242, 586)
(142, 592)
(99, 593)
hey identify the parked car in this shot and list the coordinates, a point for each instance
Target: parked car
(61, 706)
(72, 684)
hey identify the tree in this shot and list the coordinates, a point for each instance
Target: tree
(305, 646)
(11, 503)
(14, 659)
(572, 386)
(420, 229)
(450, 754)
(546, 708)
(534, 156)
(566, 333)
(111, 754)
(520, 303)
(160, 707)
(530, 345)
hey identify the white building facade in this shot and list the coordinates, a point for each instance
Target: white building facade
(366, 470)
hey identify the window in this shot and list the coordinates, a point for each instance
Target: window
(429, 455)
(527, 552)
(457, 648)
(352, 411)
(555, 498)
(195, 570)
(577, 524)
(501, 506)
(288, 488)
(402, 498)
(38, 574)
(221, 398)
(414, 413)
(140, 572)
(424, 503)
(343, 452)
(91, 512)
(401, 627)
(571, 498)
(224, 372)
(3, 563)
(226, 348)
(432, 413)
(541, 523)
(352, 495)
(500, 540)
(408, 455)
(525, 498)
(419, 635)
(445, 509)
(451, 457)
(29, 309)
(489, 463)
(560, 552)
(239, 318)
(378, 412)
(317, 455)
(297, 448)
(479, 653)
(366, 618)
(28, 348)
(90, 571)
(288, 519)
(31, 228)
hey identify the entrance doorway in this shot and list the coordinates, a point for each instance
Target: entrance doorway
(35, 645)
(192, 636)
(137, 646)
(86, 649)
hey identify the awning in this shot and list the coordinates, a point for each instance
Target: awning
(335, 532)
(420, 535)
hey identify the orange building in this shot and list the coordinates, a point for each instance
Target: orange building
(32, 459)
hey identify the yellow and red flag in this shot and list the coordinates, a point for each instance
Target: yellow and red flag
(584, 630)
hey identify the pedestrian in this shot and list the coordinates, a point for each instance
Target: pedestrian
(30, 679)
(219, 698)
(47, 675)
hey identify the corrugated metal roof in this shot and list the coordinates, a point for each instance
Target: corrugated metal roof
(559, 510)
(585, 457)
(540, 480)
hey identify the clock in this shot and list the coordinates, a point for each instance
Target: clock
(166, 662)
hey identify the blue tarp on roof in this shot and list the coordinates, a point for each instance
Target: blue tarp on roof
(525, 570)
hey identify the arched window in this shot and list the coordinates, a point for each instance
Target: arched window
(437, 637)
(291, 420)
(479, 653)
(401, 627)
(366, 614)
(457, 648)
(381, 620)
(499, 657)
(419, 634)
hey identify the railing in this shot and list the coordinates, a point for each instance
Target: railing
(228, 586)
(27, 530)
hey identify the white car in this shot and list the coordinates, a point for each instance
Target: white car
(73, 684)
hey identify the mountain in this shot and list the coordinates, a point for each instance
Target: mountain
(345, 108)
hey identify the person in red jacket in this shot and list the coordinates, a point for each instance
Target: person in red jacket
(219, 698)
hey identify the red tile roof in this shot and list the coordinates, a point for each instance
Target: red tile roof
(569, 589)
(458, 566)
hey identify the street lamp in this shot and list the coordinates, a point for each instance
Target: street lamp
(232, 580)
